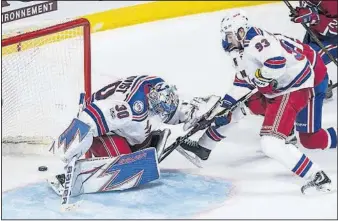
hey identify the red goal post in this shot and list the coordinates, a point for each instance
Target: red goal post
(44, 70)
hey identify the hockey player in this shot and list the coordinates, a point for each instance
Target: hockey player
(120, 119)
(287, 75)
(322, 19)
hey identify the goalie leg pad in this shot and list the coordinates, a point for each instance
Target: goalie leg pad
(159, 140)
(104, 174)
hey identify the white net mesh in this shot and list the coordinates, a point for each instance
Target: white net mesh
(42, 79)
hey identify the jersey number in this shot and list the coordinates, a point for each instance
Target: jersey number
(292, 49)
(118, 86)
(106, 91)
(263, 44)
(122, 111)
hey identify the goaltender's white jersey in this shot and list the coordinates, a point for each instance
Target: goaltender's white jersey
(278, 57)
(122, 108)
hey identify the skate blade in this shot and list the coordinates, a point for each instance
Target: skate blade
(313, 191)
(193, 159)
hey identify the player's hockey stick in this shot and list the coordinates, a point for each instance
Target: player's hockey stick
(179, 140)
(208, 120)
(312, 35)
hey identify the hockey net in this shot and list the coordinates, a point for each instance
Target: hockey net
(45, 67)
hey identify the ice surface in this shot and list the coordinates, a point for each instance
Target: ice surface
(186, 52)
(154, 200)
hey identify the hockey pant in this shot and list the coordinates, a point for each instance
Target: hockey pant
(308, 120)
(115, 145)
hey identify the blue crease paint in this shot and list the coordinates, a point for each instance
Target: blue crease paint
(174, 195)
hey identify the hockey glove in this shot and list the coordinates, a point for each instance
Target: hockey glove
(200, 106)
(73, 142)
(234, 116)
(265, 85)
(305, 15)
(225, 118)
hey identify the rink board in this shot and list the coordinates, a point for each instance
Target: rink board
(174, 195)
(159, 10)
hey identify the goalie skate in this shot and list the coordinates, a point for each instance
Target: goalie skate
(56, 183)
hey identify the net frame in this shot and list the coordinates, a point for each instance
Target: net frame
(18, 38)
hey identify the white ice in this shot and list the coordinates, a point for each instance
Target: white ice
(187, 52)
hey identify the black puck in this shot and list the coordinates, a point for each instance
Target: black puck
(42, 168)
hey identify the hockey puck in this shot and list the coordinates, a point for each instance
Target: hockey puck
(42, 168)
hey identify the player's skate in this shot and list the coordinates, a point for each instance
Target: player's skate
(329, 93)
(292, 138)
(318, 182)
(194, 147)
(56, 183)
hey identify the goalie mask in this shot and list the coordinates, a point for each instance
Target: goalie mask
(163, 100)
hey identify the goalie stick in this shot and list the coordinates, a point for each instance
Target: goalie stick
(204, 123)
(65, 206)
(70, 168)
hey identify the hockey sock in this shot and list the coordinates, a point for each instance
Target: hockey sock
(322, 139)
(212, 136)
(289, 156)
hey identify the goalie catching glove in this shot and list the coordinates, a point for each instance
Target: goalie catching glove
(196, 110)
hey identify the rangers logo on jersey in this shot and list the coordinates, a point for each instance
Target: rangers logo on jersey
(138, 107)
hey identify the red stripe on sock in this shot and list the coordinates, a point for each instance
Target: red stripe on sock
(301, 168)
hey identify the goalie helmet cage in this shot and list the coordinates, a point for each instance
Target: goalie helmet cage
(44, 70)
